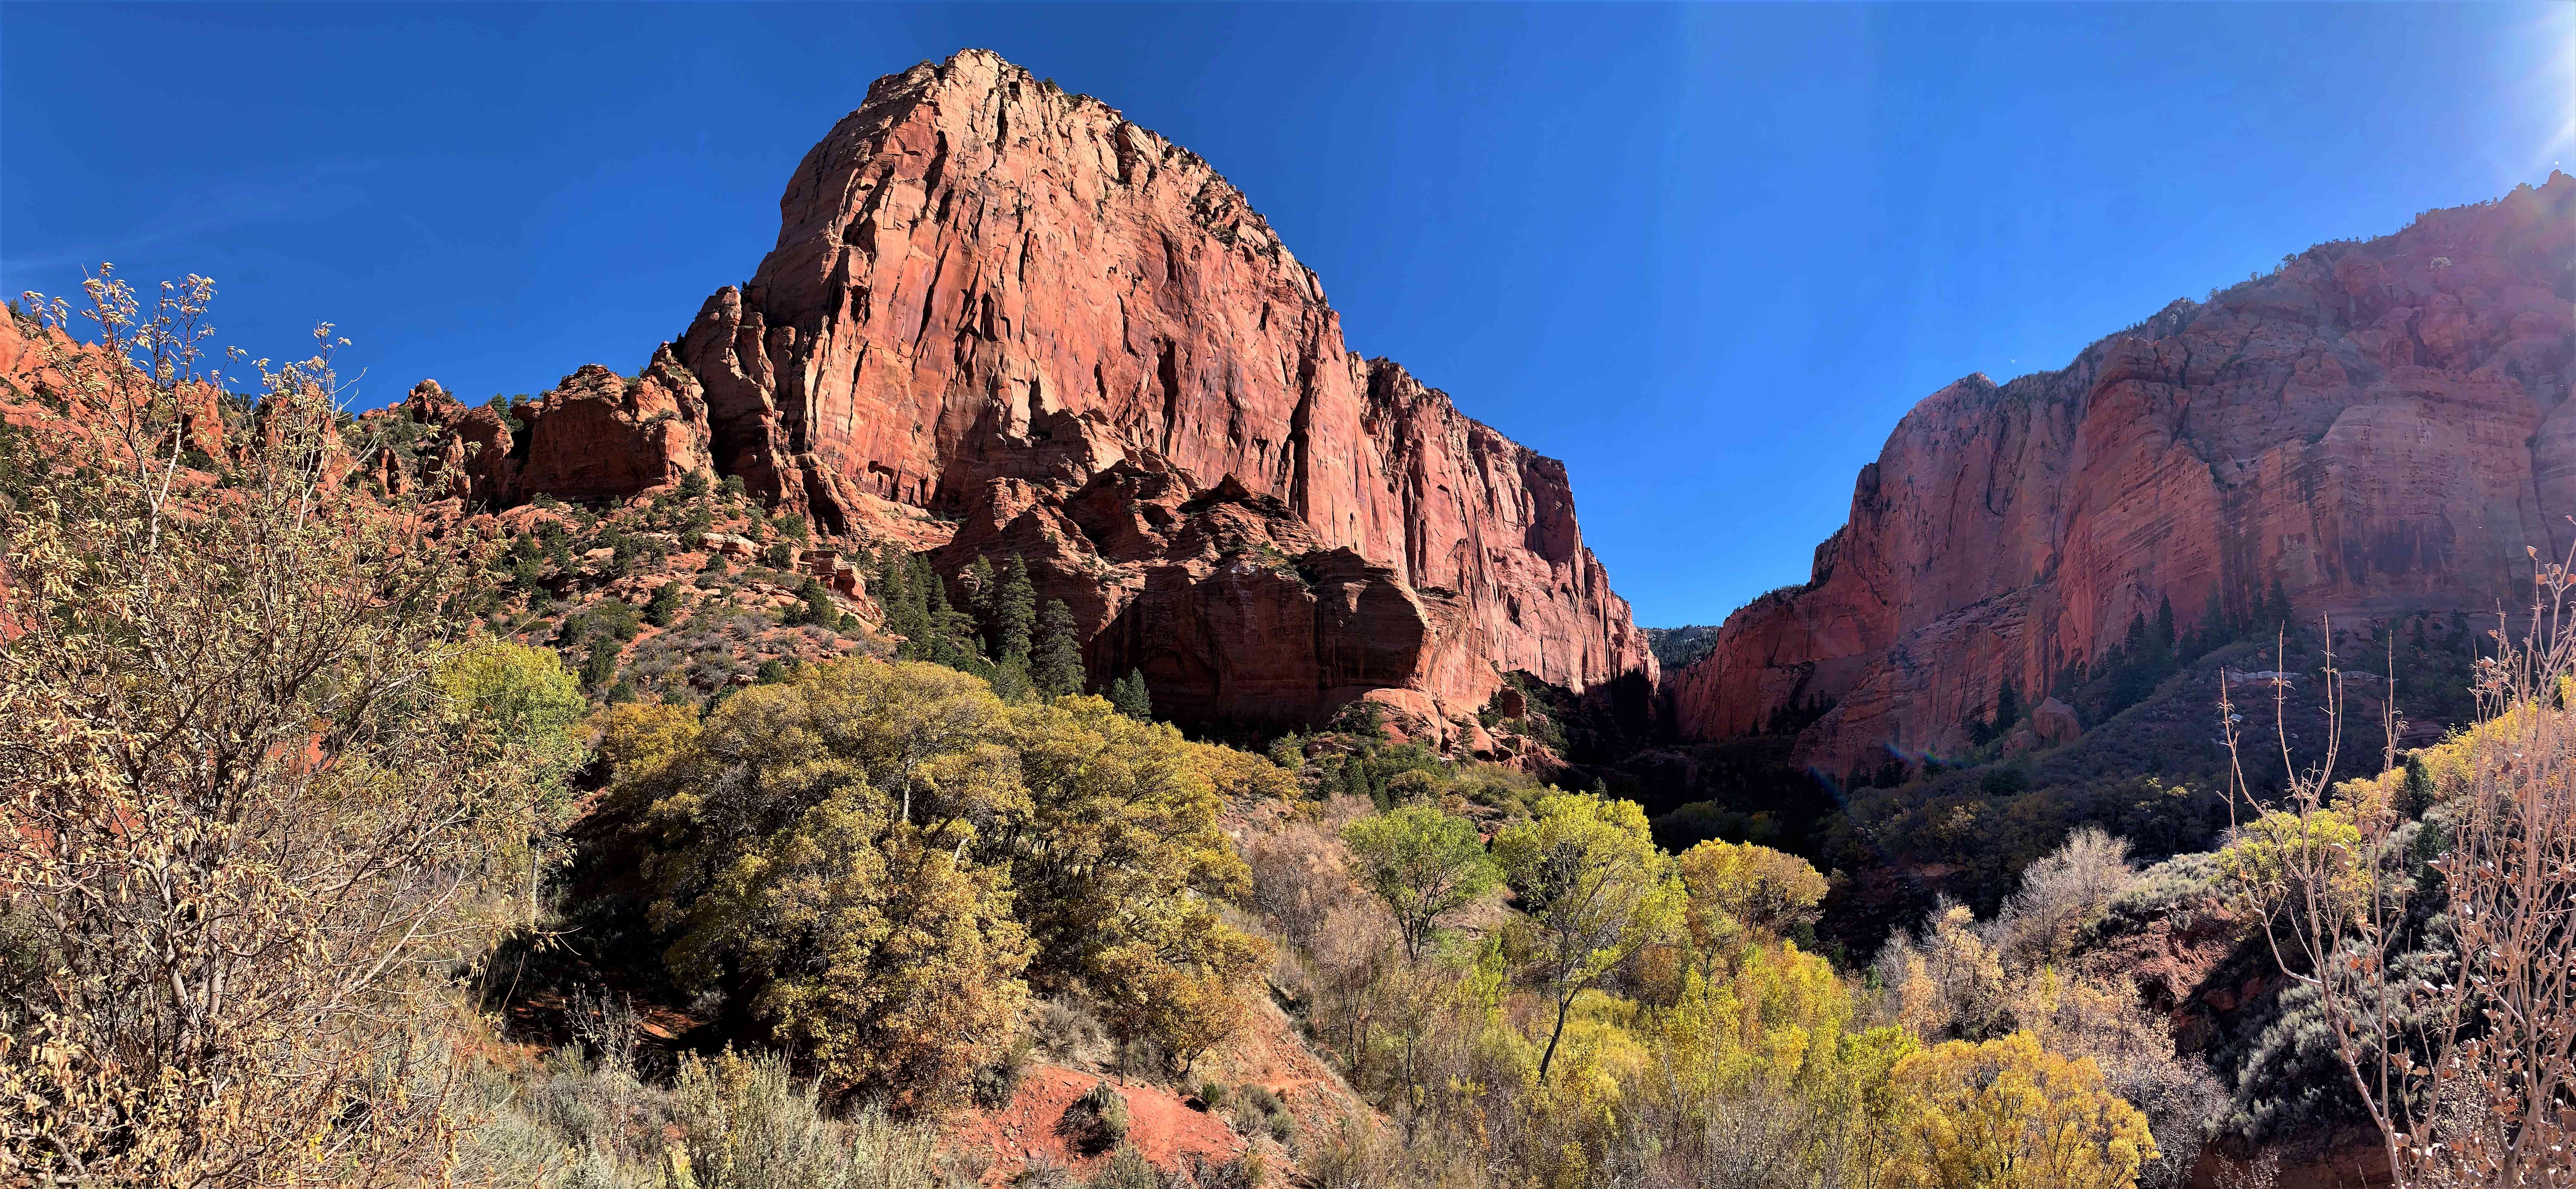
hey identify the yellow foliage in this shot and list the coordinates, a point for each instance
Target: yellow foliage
(2007, 1114)
(1740, 888)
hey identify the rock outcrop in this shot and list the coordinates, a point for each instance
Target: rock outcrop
(1012, 310)
(2380, 428)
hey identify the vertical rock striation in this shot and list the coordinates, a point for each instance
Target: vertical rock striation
(1063, 336)
(2381, 428)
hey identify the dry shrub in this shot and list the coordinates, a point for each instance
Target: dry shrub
(2457, 1026)
(726, 1122)
(1296, 881)
(242, 824)
(2059, 893)
(1095, 1122)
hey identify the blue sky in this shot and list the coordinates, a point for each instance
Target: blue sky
(1706, 255)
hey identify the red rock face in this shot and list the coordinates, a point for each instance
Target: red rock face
(1009, 305)
(2381, 427)
(1011, 309)
(597, 435)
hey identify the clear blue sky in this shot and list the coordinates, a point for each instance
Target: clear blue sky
(1706, 255)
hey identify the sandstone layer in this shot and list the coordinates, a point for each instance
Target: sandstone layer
(1002, 318)
(2381, 427)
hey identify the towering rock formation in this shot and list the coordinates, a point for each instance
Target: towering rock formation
(1000, 318)
(2380, 428)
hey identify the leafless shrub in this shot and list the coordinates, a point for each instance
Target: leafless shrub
(2462, 1048)
(239, 819)
(1295, 885)
(2059, 893)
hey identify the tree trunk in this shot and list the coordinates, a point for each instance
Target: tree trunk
(1562, 1003)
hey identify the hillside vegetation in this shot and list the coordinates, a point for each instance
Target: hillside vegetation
(359, 838)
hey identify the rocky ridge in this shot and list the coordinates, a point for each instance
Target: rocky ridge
(1001, 318)
(2379, 430)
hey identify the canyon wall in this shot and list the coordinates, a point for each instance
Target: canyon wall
(2381, 428)
(1001, 318)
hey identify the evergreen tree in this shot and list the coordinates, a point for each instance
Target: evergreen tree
(900, 596)
(816, 608)
(978, 581)
(600, 667)
(1056, 670)
(1355, 777)
(2212, 631)
(2279, 613)
(951, 631)
(1015, 613)
(2165, 622)
(665, 605)
(1130, 696)
(2007, 707)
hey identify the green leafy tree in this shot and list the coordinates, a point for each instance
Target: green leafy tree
(1057, 669)
(831, 885)
(1596, 890)
(1425, 864)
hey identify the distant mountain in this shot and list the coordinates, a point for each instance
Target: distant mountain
(1676, 647)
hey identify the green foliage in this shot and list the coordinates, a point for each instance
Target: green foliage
(1130, 696)
(1426, 865)
(665, 606)
(896, 855)
(599, 668)
(1056, 670)
(693, 485)
(1677, 647)
(815, 606)
(1014, 615)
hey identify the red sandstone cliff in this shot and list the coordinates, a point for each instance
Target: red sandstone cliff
(1062, 336)
(2382, 427)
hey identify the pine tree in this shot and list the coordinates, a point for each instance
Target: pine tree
(1056, 670)
(2007, 707)
(950, 631)
(665, 605)
(2212, 631)
(978, 582)
(901, 597)
(600, 667)
(1130, 696)
(1015, 612)
(2280, 610)
(2165, 622)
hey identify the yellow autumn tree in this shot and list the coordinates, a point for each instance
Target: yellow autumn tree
(1596, 890)
(1743, 892)
(2008, 1114)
